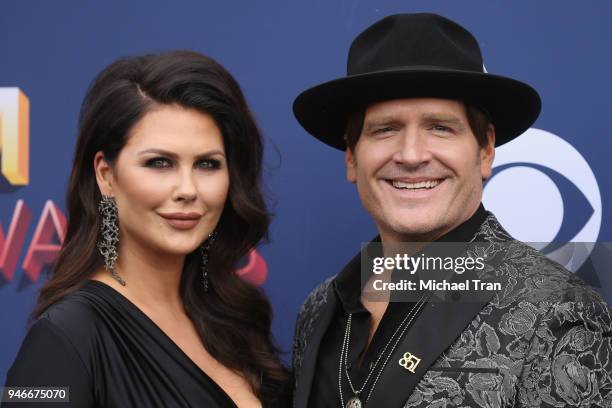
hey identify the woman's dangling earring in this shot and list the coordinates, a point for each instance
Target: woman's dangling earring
(109, 232)
(204, 252)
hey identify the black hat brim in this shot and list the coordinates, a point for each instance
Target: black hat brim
(512, 106)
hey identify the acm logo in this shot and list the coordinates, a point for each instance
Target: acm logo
(15, 145)
(51, 228)
(545, 193)
(15, 135)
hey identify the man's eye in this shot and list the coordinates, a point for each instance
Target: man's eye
(382, 130)
(159, 163)
(440, 128)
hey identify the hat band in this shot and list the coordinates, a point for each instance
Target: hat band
(428, 68)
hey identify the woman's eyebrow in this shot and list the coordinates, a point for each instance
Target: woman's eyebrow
(173, 155)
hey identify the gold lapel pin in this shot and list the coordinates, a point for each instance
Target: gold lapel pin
(410, 362)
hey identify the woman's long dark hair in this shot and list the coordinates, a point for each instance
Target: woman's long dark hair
(233, 318)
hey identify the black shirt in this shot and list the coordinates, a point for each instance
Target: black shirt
(347, 288)
(110, 354)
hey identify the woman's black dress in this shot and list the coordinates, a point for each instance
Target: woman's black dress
(110, 354)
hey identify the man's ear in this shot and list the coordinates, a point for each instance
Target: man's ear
(349, 160)
(487, 154)
(104, 174)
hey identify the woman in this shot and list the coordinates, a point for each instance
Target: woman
(143, 308)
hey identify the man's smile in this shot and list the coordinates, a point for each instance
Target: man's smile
(416, 184)
(414, 187)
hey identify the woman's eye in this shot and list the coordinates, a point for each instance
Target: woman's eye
(209, 164)
(159, 163)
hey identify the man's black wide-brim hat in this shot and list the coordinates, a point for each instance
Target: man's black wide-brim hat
(416, 55)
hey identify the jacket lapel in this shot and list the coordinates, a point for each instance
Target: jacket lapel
(434, 330)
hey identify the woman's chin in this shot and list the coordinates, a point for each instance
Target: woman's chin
(178, 249)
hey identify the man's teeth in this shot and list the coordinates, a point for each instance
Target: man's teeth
(415, 186)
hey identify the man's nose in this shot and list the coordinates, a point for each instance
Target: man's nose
(411, 149)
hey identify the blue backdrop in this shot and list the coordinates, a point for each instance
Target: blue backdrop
(51, 50)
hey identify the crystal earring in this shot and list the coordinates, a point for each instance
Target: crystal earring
(204, 252)
(109, 233)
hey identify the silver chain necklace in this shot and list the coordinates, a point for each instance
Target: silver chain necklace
(355, 401)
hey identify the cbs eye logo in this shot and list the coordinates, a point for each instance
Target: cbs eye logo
(544, 191)
(14, 136)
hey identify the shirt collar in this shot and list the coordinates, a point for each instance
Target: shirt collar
(348, 282)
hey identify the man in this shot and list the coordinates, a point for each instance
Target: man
(419, 119)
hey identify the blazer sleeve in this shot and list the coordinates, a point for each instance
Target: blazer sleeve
(298, 346)
(47, 358)
(569, 361)
(306, 321)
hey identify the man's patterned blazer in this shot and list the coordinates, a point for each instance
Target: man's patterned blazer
(544, 340)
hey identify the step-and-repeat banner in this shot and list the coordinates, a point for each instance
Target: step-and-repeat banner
(550, 185)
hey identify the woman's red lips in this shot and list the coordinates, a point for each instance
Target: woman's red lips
(182, 221)
(182, 216)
